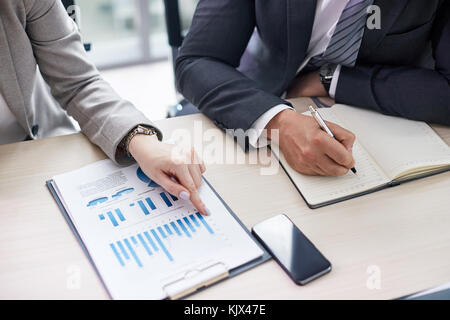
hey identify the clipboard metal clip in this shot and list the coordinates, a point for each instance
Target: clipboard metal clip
(191, 280)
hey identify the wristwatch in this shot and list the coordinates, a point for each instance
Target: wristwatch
(137, 130)
(326, 75)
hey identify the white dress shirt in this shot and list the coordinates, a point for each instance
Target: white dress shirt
(326, 18)
(10, 129)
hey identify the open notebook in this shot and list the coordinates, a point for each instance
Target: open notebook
(387, 152)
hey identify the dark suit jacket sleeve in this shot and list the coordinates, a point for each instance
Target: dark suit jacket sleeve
(206, 67)
(413, 93)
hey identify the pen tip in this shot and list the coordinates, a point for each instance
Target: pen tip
(353, 170)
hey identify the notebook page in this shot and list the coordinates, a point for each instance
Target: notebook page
(318, 189)
(396, 144)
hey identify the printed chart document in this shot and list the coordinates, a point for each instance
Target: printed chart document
(388, 151)
(146, 243)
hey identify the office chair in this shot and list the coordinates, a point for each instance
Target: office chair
(175, 37)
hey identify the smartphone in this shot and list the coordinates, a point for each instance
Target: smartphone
(298, 256)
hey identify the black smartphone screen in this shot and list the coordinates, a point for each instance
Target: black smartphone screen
(291, 249)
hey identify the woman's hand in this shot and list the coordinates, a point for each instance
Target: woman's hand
(180, 175)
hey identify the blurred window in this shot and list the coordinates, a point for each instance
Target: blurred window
(125, 32)
(187, 9)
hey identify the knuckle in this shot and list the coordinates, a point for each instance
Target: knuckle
(308, 153)
(302, 167)
(317, 140)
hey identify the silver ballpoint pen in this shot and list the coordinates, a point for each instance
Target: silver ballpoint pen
(316, 115)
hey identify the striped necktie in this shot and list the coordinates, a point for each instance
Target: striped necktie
(345, 43)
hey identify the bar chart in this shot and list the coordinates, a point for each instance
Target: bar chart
(155, 241)
(136, 209)
(149, 204)
(115, 218)
(146, 207)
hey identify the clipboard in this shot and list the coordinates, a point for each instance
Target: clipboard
(181, 285)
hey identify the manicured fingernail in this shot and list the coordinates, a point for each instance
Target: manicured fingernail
(184, 195)
(208, 213)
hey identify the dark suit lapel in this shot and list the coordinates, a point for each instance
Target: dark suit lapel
(300, 19)
(390, 11)
(9, 85)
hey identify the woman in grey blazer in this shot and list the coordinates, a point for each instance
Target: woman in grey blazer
(39, 40)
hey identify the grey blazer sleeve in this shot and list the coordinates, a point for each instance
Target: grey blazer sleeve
(413, 93)
(75, 83)
(206, 67)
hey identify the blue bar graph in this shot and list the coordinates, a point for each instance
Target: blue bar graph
(150, 203)
(194, 220)
(122, 248)
(135, 248)
(202, 220)
(141, 239)
(116, 253)
(189, 224)
(183, 228)
(130, 248)
(168, 229)
(143, 207)
(166, 200)
(161, 232)
(174, 226)
(120, 215)
(150, 241)
(113, 220)
(161, 245)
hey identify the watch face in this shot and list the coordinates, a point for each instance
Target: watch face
(326, 73)
(144, 130)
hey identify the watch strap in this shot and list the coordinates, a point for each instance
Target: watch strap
(326, 75)
(134, 132)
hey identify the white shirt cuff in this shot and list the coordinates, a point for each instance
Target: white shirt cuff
(334, 82)
(256, 138)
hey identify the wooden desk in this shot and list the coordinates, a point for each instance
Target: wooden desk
(403, 231)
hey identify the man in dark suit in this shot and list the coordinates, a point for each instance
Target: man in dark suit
(242, 56)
